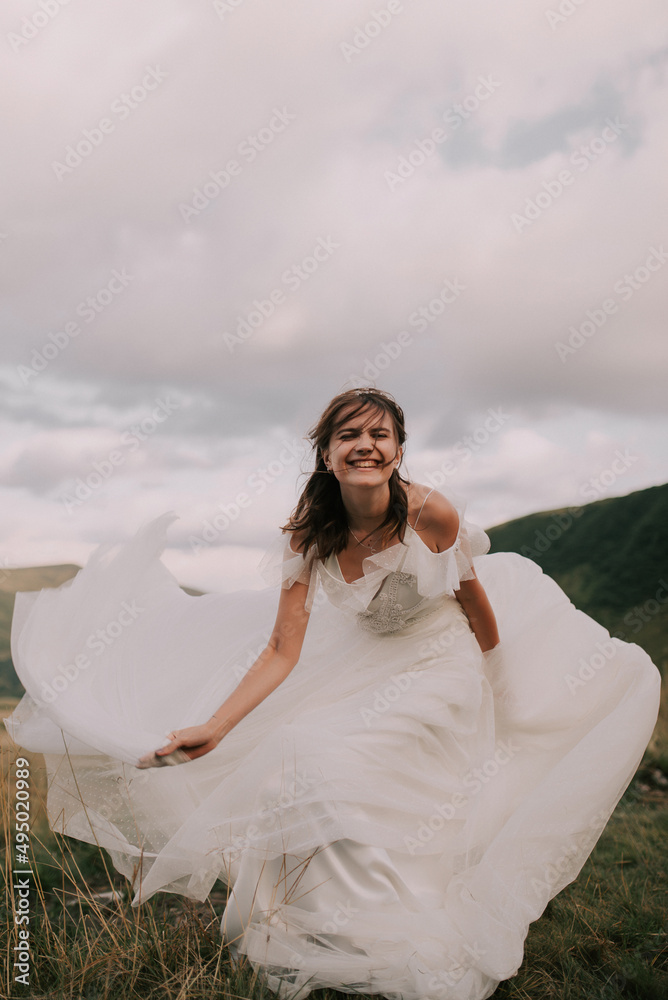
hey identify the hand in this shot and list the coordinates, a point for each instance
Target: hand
(493, 658)
(495, 670)
(199, 740)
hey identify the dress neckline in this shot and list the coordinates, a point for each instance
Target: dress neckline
(359, 579)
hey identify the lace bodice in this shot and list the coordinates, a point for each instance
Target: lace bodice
(395, 604)
(401, 585)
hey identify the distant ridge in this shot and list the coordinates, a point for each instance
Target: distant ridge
(609, 556)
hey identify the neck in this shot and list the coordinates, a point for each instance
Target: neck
(366, 508)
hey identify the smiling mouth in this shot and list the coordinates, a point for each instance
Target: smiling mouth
(365, 464)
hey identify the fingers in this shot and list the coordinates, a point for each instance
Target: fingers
(188, 743)
(169, 755)
(155, 760)
(193, 750)
(175, 742)
(199, 751)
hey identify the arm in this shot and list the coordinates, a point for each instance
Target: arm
(270, 669)
(273, 664)
(442, 524)
(478, 610)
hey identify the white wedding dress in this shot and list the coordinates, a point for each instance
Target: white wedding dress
(394, 815)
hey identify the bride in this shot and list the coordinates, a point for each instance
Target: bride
(393, 781)
(362, 450)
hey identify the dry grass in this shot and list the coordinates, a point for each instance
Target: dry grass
(602, 938)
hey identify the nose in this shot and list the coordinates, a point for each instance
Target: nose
(365, 442)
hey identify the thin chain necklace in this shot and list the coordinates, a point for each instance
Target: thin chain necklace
(360, 542)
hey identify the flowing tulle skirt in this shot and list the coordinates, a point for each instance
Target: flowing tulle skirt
(390, 819)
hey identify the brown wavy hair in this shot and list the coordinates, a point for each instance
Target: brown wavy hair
(320, 512)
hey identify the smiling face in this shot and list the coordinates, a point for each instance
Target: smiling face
(363, 449)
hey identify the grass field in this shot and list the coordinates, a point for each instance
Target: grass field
(603, 937)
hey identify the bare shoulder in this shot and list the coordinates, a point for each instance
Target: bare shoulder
(434, 506)
(297, 539)
(439, 520)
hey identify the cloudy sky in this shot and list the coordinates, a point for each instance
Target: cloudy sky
(216, 215)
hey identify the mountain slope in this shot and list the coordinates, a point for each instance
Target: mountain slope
(610, 557)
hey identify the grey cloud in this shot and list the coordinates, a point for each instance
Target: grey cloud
(192, 281)
(529, 141)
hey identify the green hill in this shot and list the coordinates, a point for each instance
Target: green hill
(610, 557)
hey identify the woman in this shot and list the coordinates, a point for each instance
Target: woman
(391, 794)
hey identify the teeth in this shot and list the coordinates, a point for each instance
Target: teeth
(364, 465)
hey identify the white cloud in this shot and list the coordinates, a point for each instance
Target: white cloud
(322, 175)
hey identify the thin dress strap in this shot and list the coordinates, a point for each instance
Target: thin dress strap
(414, 526)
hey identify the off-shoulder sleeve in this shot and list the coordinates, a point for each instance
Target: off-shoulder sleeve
(442, 572)
(281, 567)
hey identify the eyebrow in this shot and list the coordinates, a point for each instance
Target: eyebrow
(346, 427)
